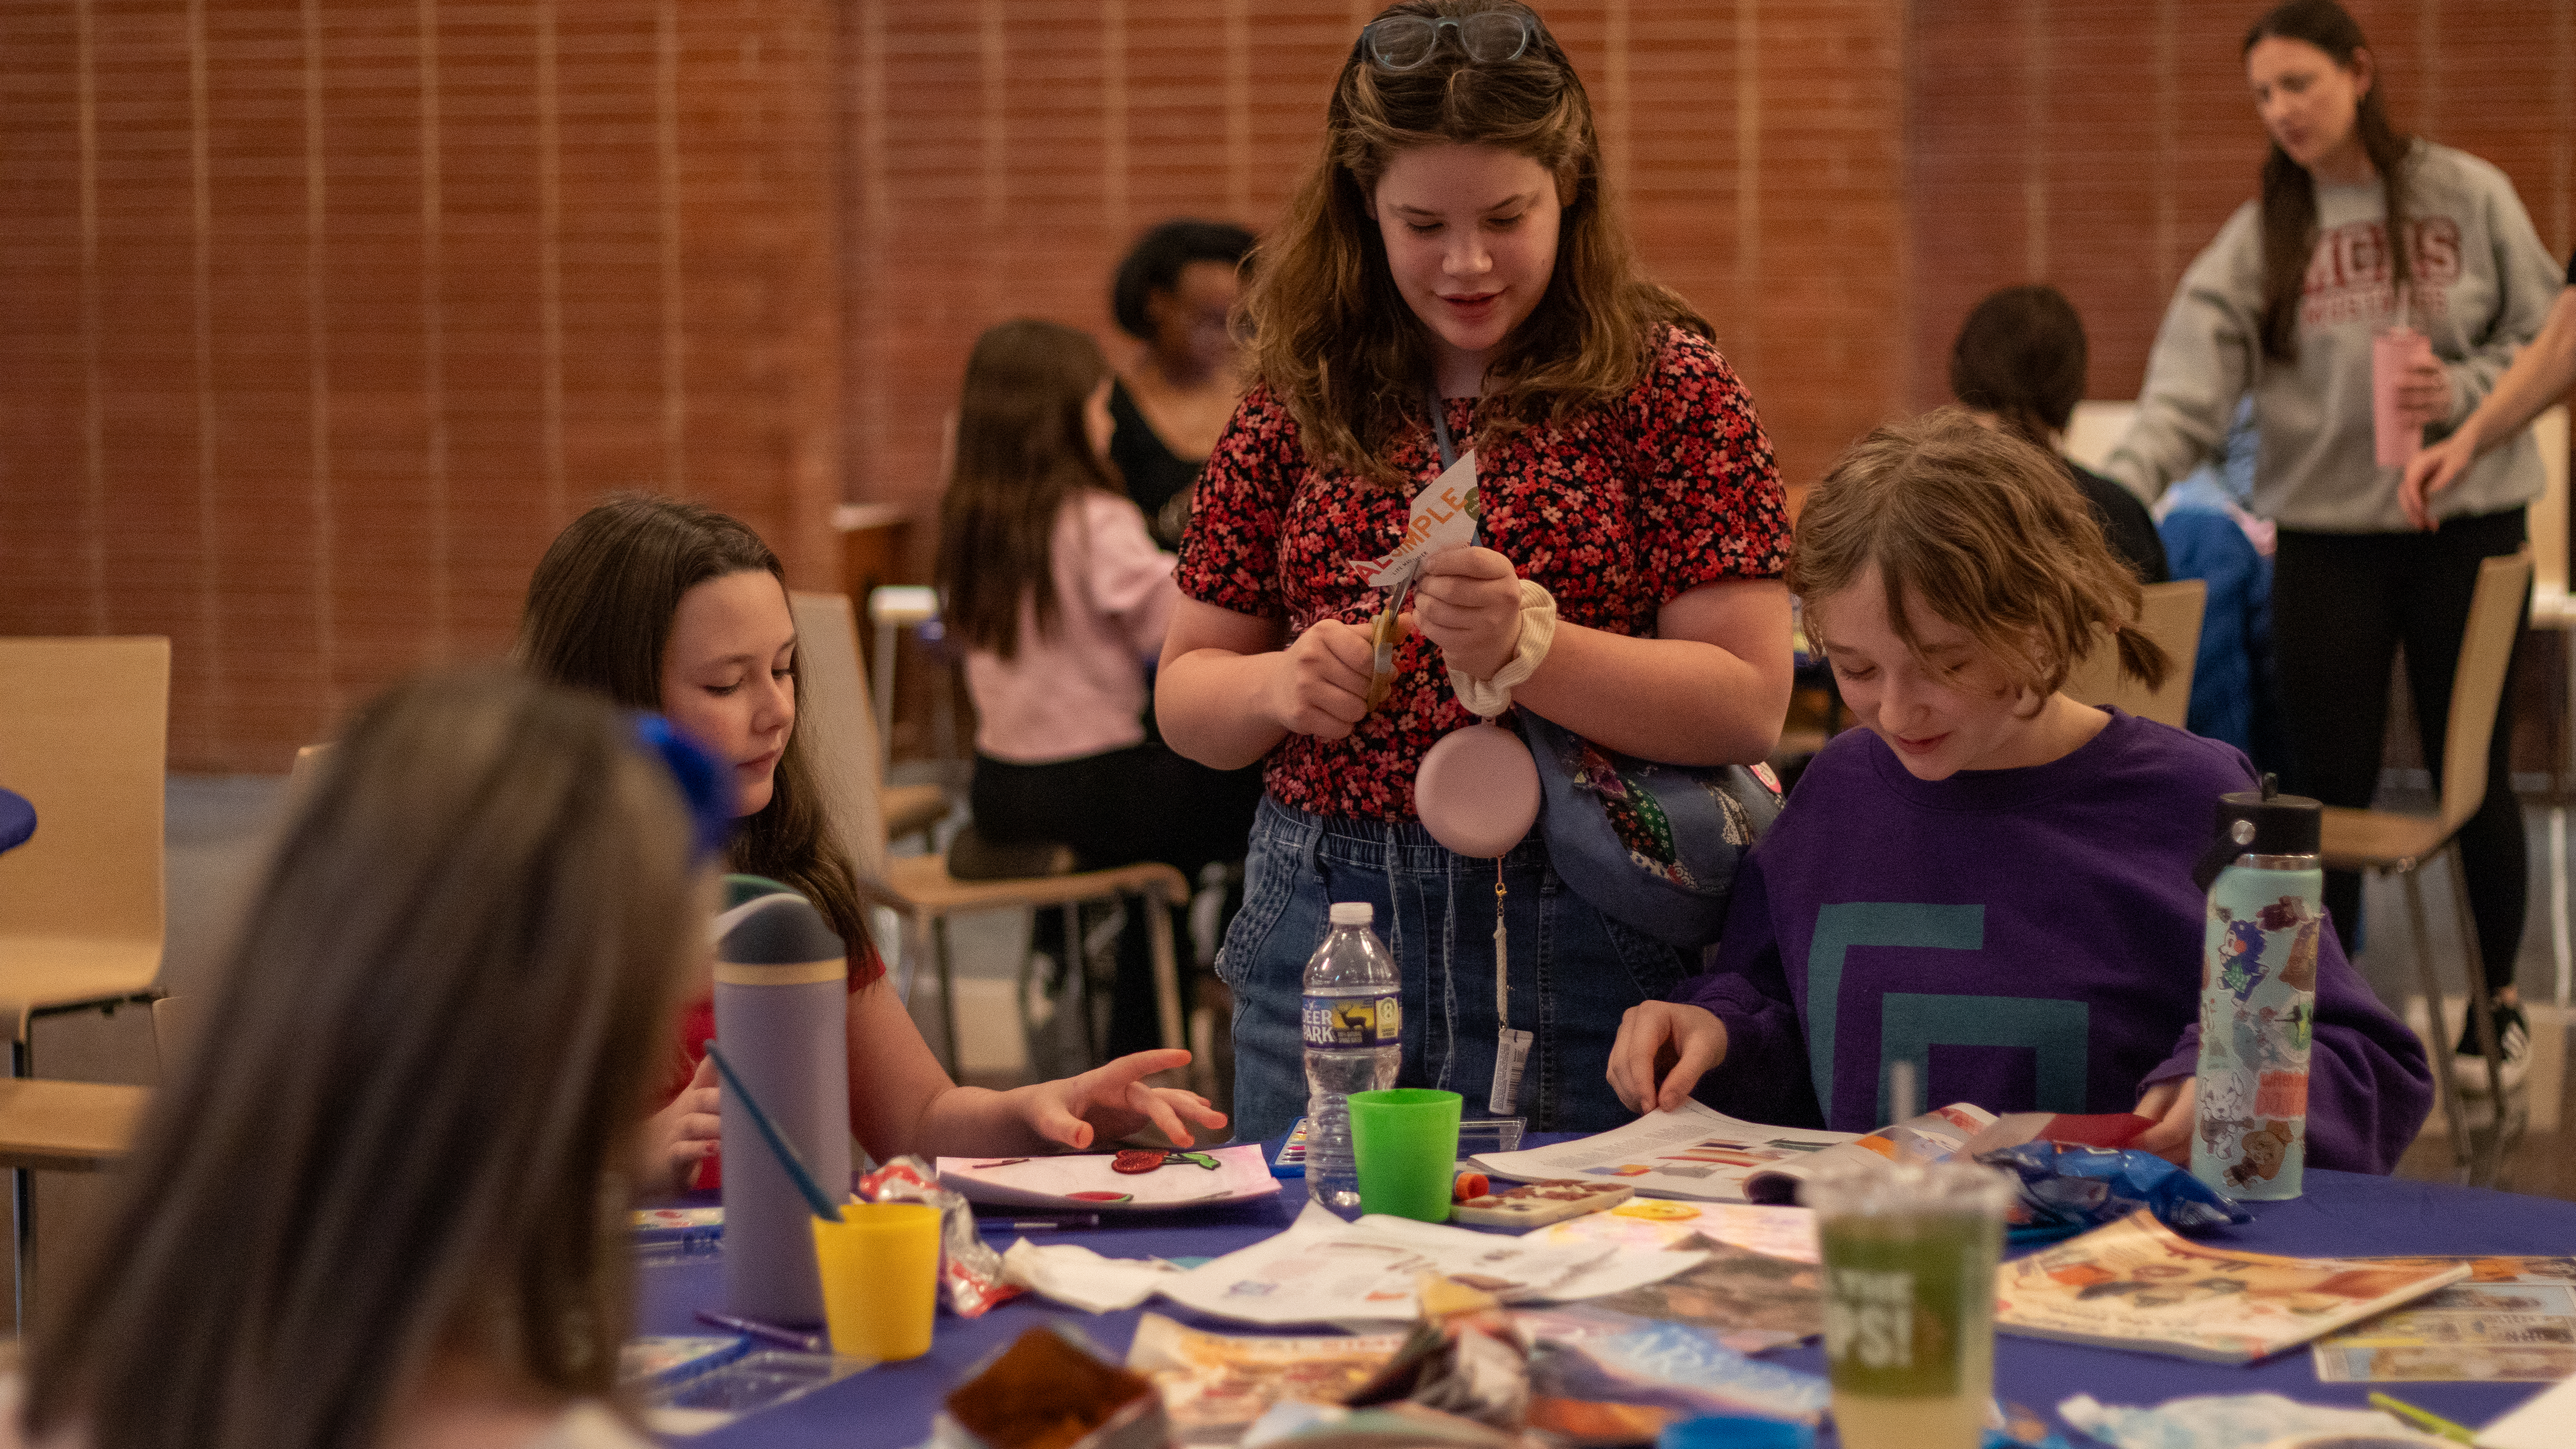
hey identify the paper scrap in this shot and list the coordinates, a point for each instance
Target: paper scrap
(1075, 1276)
(1444, 516)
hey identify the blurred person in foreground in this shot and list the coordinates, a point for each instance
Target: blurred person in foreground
(382, 1202)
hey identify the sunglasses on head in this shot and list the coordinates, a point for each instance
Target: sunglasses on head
(1407, 42)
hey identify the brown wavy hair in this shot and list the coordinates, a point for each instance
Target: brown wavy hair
(1334, 338)
(2289, 204)
(1023, 452)
(599, 616)
(400, 1139)
(1987, 532)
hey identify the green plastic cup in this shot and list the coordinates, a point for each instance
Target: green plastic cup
(1405, 1143)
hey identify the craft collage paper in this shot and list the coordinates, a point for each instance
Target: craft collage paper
(1093, 1180)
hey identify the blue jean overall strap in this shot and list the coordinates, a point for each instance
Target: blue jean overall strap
(1574, 973)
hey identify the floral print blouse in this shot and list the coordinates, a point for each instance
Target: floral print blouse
(1616, 511)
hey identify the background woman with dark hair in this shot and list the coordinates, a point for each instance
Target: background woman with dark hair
(2354, 217)
(379, 1203)
(2018, 364)
(1175, 292)
(667, 606)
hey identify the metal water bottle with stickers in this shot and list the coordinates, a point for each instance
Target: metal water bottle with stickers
(1354, 1030)
(2258, 995)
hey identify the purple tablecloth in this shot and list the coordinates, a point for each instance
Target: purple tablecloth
(2343, 1215)
(17, 819)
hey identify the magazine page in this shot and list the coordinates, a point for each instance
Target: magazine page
(1215, 1384)
(1695, 1152)
(2138, 1284)
(1936, 1136)
(1749, 1301)
(2510, 1320)
(1781, 1232)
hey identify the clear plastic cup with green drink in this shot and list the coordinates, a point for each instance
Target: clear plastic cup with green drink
(1909, 1259)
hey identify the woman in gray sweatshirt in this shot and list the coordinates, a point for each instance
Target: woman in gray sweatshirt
(2283, 306)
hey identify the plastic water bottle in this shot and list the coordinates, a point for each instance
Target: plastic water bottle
(1354, 1043)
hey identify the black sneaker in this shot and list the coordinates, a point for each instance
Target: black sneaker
(2513, 1038)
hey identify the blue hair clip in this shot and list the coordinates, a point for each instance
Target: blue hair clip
(702, 781)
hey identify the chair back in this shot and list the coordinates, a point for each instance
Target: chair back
(839, 728)
(2477, 688)
(2096, 427)
(174, 1033)
(2549, 518)
(84, 735)
(2170, 615)
(308, 763)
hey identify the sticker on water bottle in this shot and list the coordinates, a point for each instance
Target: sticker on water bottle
(1354, 1021)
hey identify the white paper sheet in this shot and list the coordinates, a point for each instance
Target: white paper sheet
(1083, 1180)
(1072, 1274)
(2545, 1422)
(1696, 1152)
(1324, 1270)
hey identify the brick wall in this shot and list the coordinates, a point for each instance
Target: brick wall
(318, 320)
(1005, 153)
(2099, 147)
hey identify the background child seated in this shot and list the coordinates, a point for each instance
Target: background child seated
(1989, 879)
(666, 606)
(1047, 574)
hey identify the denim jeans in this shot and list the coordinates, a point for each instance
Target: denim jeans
(1574, 973)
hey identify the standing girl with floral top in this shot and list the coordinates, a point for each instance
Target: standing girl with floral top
(1458, 237)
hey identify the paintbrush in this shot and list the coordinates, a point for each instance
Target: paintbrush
(823, 1205)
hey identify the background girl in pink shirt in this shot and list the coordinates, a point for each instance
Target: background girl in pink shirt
(1047, 574)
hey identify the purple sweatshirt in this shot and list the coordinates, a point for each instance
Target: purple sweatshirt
(2030, 937)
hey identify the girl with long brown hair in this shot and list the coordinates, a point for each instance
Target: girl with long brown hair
(2028, 856)
(380, 1203)
(1455, 267)
(671, 607)
(1048, 576)
(2360, 227)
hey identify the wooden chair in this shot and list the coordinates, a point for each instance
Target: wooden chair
(2399, 845)
(2171, 617)
(2553, 609)
(84, 735)
(918, 888)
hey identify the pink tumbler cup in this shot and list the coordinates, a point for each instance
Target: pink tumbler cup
(2397, 435)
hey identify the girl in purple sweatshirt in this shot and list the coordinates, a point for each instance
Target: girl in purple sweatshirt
(1989, 879)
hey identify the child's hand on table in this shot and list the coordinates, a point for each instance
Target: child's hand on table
(1469, 603)
(2171, 1106)
(1662, 1050)
(681, 1135)
(1109, 1102)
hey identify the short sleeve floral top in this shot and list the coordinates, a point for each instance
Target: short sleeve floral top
(1616, 511)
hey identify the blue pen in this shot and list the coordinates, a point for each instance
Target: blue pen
(767, 1332)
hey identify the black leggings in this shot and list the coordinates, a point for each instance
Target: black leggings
(2341, 604)
(1117, 808)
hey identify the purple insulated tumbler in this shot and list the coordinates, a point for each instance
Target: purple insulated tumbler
(782, 1004)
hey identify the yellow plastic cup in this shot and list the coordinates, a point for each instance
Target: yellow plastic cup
(880, 1266)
